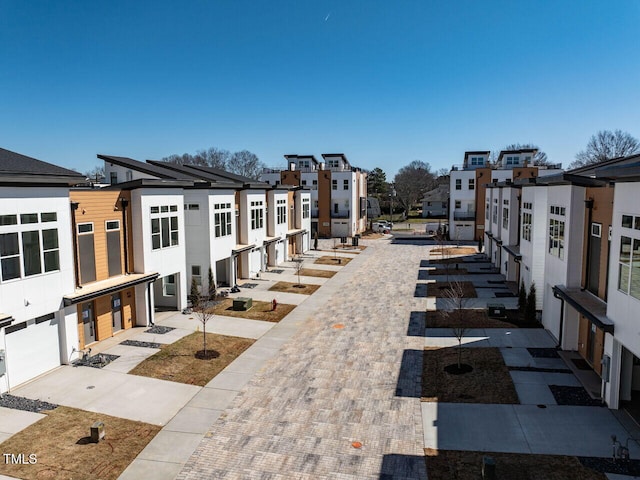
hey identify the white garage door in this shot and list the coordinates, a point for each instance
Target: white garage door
(31, 351)
(340, 229)
(255, 262)
(464, 231)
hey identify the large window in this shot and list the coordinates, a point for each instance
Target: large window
(556, 238)
(334, 184)
(477, 161)
(472, 184)
(305, 208)
(31, 250)
(458, 184)
(526, 226)
(257, 215)
(629, 260)
(281, 211)
(505, 217)
(164, 226)
(222, 219)
(345, 184)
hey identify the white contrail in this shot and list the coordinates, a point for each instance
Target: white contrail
(327, 17)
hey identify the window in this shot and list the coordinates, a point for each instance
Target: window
(513, 160)
(196, 275)
(86, 253)
(192, 206)
(334, 184)
(9, 256)
(458, 184)
(505, 217)
(627, 221)
(458, 204)
(85, 228)
(335, 208)
(494, 218)
(164, 227)
(222, 219)
(345, 184)
(477, 161)
(29, 252)
(556, 238)
(111, 225)
(114, 259)
(526, 226)
(305, 208)
(281, 211)
(629, 266)
(257, 215)
(333, 163)
(472, 184)
(304, 183)
(486, 211)
(314, 182)
(596, 230)
(113, 178)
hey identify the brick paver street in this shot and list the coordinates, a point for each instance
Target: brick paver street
(329, 387)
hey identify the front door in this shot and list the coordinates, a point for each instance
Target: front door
(116, 311)
(89, 323)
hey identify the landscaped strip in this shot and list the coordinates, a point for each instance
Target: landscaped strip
(288, 287)
(488, 369)
(440, 289)
(467, 319)
(327, 260)
(182, 362)
(259, 311)
(449, 464)
(59, 446)
(312, 272)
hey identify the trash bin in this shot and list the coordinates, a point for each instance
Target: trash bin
(356, 237)
(354, 241)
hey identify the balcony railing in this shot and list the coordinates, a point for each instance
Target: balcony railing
(340, 214)
(464, 215)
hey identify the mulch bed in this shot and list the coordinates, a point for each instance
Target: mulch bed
(452, 271)
(450, 464)
(565, 395)
(288, 287)
(327, 260)
(439, 289)
(159, 330)
(21, 403)
(489, 369)
(467, 319)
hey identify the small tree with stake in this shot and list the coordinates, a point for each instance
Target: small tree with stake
(203, 314)
(456, 302)
(298, 265)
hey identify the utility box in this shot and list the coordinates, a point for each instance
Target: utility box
(242, 304)
(496, 310)
(97, 432)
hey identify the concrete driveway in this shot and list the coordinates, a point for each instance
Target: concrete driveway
(111, 392)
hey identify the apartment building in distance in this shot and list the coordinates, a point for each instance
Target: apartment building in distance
(338, 192)
(468, 186)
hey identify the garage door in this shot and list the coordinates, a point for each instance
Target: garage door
(340, 229)
(31, 349)
(463, 231)
(255, 262)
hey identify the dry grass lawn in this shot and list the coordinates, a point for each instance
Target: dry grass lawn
(439, 289)
(177, 362)
(259, 310)
(61, 443)
(369, 235)
(326, 260)
(289, 287)
(311, 272)
(469, 319)
(449, 464)
(488, 382)
(454, 251)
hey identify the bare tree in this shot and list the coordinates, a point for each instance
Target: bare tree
(246, 164)
(412, 181)
(298, 265)
(203, 313)
(212, 157)
(540, 158)
(606, 145)
(454, 311)
(96, 174)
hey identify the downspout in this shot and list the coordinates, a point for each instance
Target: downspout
(555, 294)
(149, 306)
(125, 203)
(589, 205)
(74, 238)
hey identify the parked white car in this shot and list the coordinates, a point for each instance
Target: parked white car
(382, 227)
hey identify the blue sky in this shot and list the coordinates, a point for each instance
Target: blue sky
(384, 82)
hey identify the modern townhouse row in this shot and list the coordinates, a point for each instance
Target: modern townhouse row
(576, 235)
(79, 263)
(338, 192)
(468, 186)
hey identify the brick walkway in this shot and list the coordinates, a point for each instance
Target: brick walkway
(329, 387)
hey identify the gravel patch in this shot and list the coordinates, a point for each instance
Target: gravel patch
(607, 465)
(543, 352)
(565, 395)
(137, 343)
(26, 404)
(159, 330)
(96, 361)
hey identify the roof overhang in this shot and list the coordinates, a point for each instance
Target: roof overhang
(105, 287)
(242, 248)
(514, 251)
(270, 240)
(293, 233)
(587, 304)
